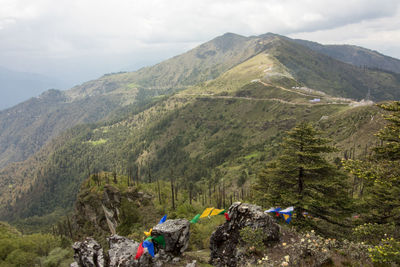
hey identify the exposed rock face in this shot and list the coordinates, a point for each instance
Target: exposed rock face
(224, 241)
(88, 253)
(103, 212)
(176, 235)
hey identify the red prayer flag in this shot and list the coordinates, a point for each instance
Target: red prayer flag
(227, 216)
(139, 251)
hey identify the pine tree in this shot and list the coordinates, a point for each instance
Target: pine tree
(381, 172)
(302, 178)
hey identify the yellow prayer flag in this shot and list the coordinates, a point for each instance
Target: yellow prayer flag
(149, 232)
(206, 212)
(216, 212)
(286, 216)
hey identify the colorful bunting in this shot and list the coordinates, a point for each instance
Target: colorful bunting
(195, 218)
(163, 219)
(206, 212)
(150, 247)
(139, 251)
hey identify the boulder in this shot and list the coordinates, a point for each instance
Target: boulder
(88, 253)
(224, 241)
(122, 253)
(176, 235)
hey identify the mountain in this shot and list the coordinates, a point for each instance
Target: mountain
(214, 113)
(355, 55)
(16, 87)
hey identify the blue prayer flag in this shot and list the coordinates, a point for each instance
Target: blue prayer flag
(163, 219)
(150, 247)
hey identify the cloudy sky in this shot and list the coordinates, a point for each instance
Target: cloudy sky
(78, 40)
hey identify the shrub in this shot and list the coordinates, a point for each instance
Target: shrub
(373, 233)
(253, 239)
(388, 251)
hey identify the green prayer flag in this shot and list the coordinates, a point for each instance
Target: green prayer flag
(149, 238)
(222, 212)
(195, 219)
(160, 240)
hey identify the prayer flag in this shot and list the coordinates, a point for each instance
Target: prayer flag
(287, 214)
(139, 251)
(148, 233)
(227, 216)
(150, 247)
(160, 240)
(195, 218)
(217, 212)
(206, 212)
(163, 219)
(272, 210)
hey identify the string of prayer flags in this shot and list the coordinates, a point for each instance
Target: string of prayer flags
(139, 251)
(163, 219)
(149, 232)
(286, 213)
(206, 212)
(195, 218)
(217, 212)
(150, 247)
(276, 210)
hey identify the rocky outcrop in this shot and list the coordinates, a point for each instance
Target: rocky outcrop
(176, 235)
(225, 240)
(101, 213)
(122, 251)
(88, 253)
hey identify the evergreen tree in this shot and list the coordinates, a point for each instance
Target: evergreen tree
(302, 178)
(381, 172)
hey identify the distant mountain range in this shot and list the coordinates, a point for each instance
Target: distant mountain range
(215, 107)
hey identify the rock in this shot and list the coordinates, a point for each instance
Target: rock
(122, 253)
(192, 264)
(74, 264)
(224, 241)
(88, 253)
(176, 235)
(176, 260)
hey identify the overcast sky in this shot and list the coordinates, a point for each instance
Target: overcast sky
(79, 40)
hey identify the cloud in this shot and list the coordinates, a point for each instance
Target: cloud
(97, 36)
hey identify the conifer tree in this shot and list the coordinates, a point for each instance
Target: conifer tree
(381, 172)
(301, 177)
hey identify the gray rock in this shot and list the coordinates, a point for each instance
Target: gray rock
(74, 264)
(88, 253)
(122, 253)
(176, 235)
(192, 264)
(225, 240)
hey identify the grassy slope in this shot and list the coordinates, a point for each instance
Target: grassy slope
(336, 78)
